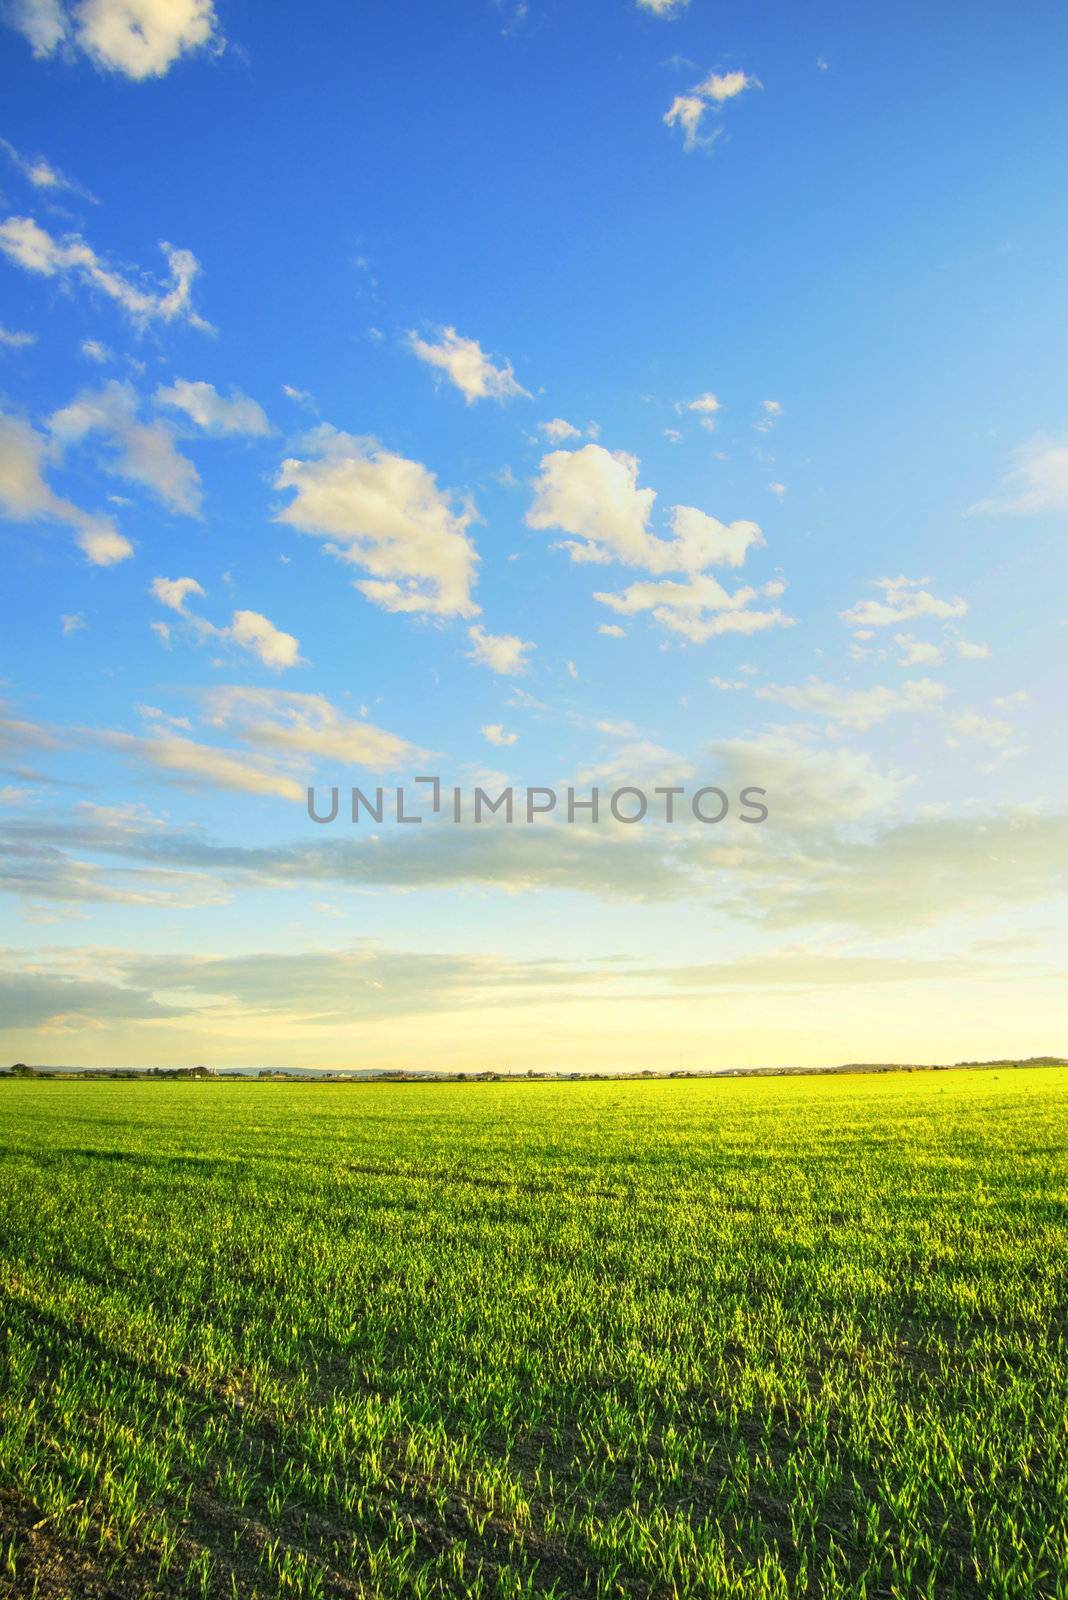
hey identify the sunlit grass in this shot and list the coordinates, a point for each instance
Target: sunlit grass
(686, 1339)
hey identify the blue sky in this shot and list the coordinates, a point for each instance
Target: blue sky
(428, 342)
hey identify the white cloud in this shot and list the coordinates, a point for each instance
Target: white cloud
(684, 608)
(93, 350)
(34, 249)
(301, 397)
(664, 8)
(466, 365)
(26, 497)
(814, 788)
(306, 724)
(855, 708)
(778, 489)
(174, 592)
(903, 599)
(772, 410)
(11, 340)
(205, 406)
(706, 405)
(993, 731)
(387, 515)
(1036, 483)
(558, 430)
(917, 652)
(42, 174)
(72, 622)
(104, 546)
(493, 733)
(593, 494)
(256, 633)
(250, 630)
(202, 763)
(145, 452)
(612, 630)
(970, 650)
(503, 652)
(138, 38)
(687, 111)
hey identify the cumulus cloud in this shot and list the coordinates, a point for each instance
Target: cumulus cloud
(1036, 483)
(706, 406)
(558, 430)
(249, 630)
(494, 733)
(593, 494)
(687, 111)
(26, 497)
(174, 592)
(34, 249)
(903, 599)
(137, 38)
(502, 652)
(917, 652)
(254, 632)
(204, 405)
(386, 514)
(466, 365)
(144, 452)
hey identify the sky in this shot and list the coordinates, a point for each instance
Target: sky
(567, 394)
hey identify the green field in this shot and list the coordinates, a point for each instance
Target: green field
(712, 1338)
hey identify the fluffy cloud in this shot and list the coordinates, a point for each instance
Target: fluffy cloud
(34, 249)
(138, 38)
(26, 497)
(502, 652)
(706, 405)
(1036, 483)
(205, 406)
(664, 8)
(145, 452)
(14, 340)
(687, 111)
(917, 652)
(593, 494)
(558, 430)
(387, 515)
(494, 733)
(903, 599)
(249, 630)
(466, 365)
(174, 592)
(254, 632)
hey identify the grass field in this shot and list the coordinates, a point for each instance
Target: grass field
(738, 1338)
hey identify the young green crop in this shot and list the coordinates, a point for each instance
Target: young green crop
(685, 1339)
